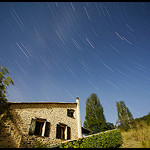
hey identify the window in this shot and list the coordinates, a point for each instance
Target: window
(39, 127)
(63, 132)
(70, 112)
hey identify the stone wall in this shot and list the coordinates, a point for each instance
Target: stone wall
(17, 129)
(10, 135)
(28, 141)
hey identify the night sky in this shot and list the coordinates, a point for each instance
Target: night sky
(57, 51)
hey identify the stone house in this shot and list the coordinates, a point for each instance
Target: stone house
(46, 122)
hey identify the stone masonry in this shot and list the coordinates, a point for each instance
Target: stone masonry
(15, 132)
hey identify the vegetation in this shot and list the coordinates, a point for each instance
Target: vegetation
(109, 126)
(137, 137)
(124, 116)
(40, 145)
(5, 81)
(109, 139)
(95, 120)
(145, 119)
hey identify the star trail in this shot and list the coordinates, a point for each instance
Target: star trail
(57, 51)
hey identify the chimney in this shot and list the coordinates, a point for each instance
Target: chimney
(78, 118)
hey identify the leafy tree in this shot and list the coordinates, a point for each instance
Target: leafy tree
(124, 116)
(5, 81)
(94, 120)
(109, 126)
(145, 119)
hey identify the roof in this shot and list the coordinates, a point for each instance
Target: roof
(42, 103)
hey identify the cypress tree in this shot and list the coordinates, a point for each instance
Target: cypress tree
(124, 116)
(94, 120)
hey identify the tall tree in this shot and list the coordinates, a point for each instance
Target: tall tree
(5, 81)
(124, 116)
(94, 120)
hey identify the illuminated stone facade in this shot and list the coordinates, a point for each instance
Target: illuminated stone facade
(46, 122)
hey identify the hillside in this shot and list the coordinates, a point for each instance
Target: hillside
(146, 119)
(138, 137)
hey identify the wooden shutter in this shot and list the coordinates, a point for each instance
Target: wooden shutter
(32, 127)
(68, 112)
(47, 129)
(68, 133)
(58, 134)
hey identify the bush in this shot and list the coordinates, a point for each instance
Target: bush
(40, 145)
(137, 137)
(124, 126)
(109, 139)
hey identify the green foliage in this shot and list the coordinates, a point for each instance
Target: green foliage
(40, 145)
(94, 120)
(145, 144)
(124, 116)
(109, 126)
(5, 81)
(109, 139)
(146, 119)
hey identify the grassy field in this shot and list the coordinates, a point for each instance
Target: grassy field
(137, 138)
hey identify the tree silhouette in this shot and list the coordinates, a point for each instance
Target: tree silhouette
(94, 120)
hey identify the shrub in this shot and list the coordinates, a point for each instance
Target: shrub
(109, 139)
(40, 145)
(137, 137)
